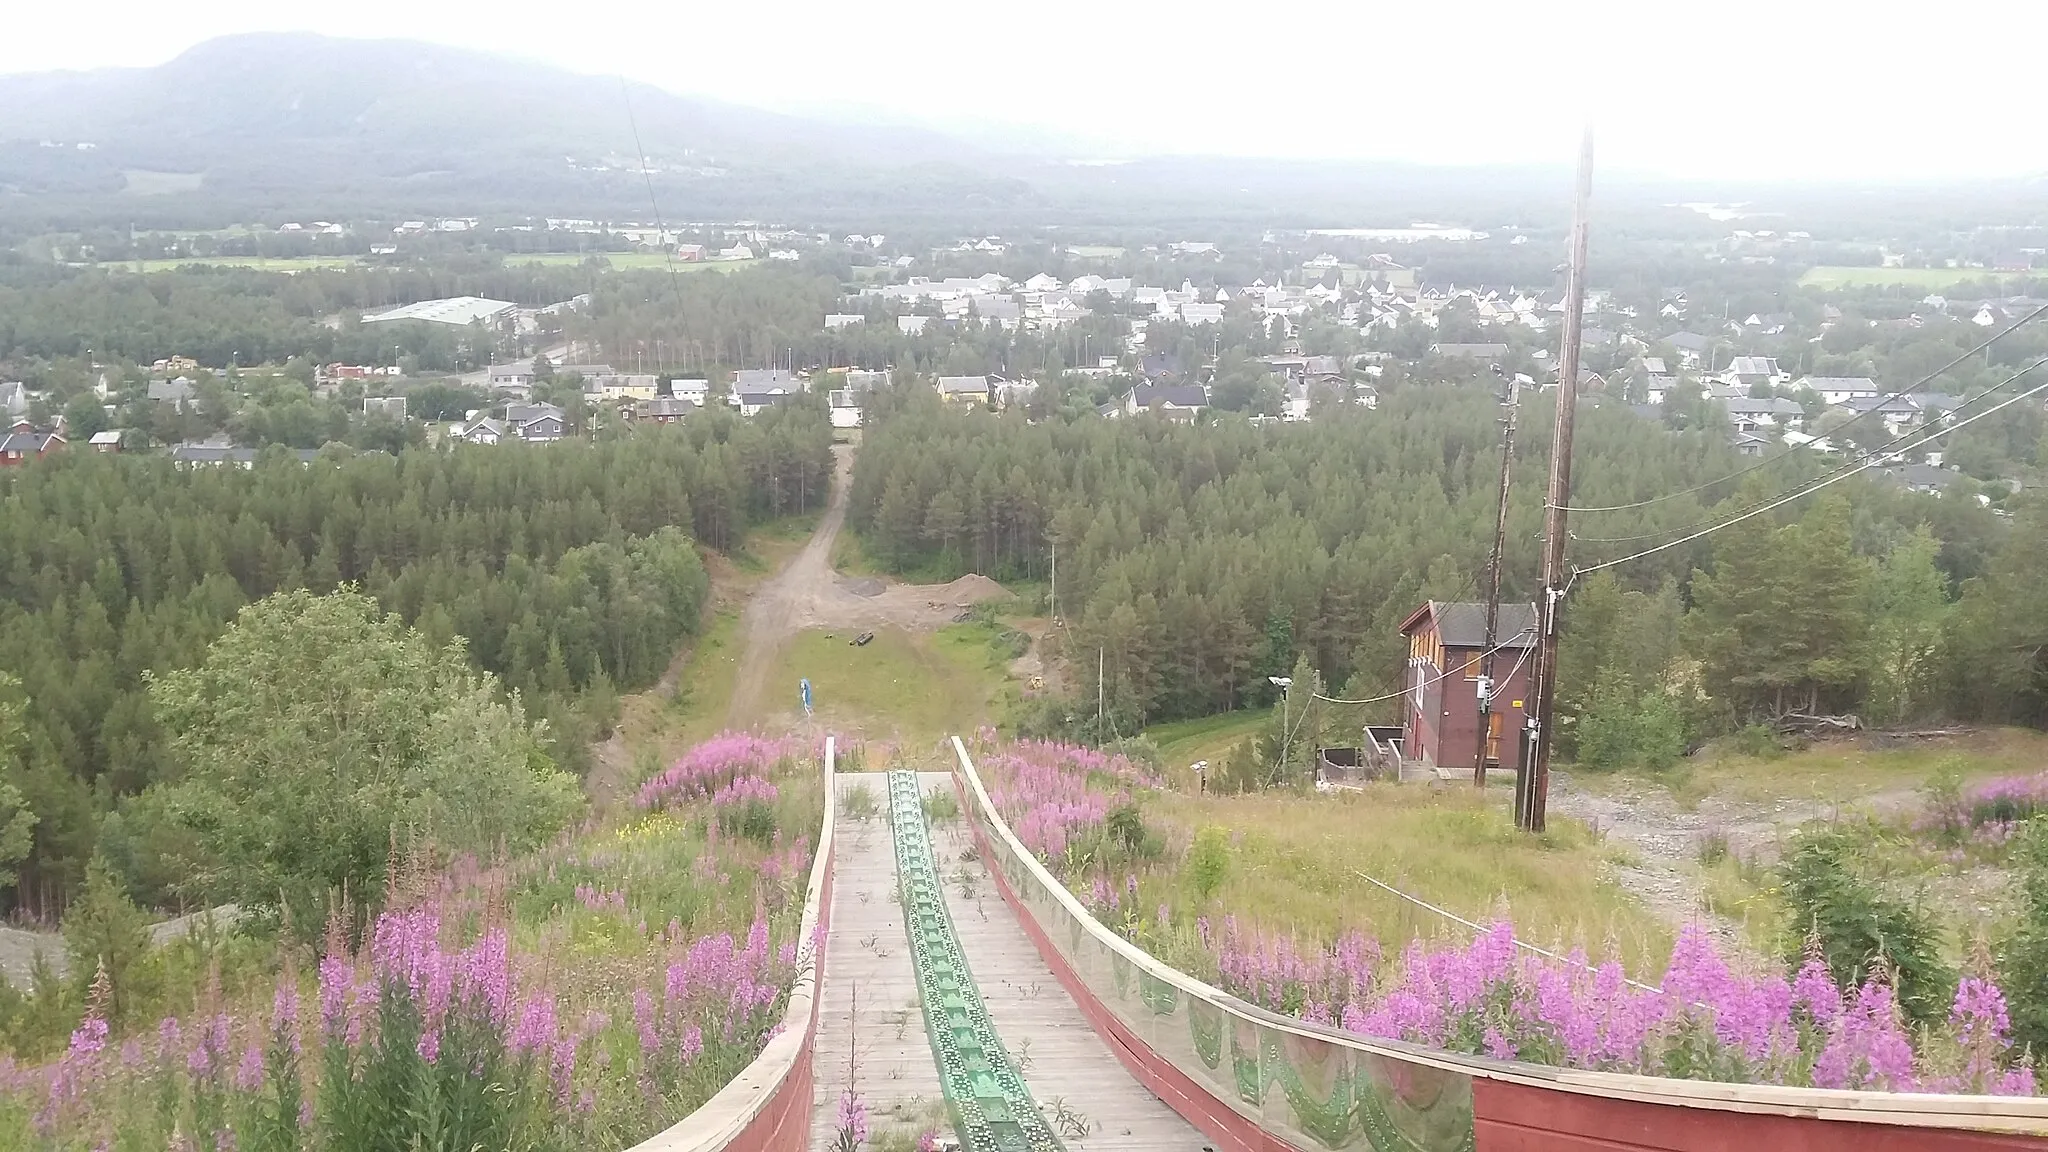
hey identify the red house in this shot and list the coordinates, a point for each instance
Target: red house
(19, 447)
(1440, 713)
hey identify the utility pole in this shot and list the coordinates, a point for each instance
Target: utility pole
(1098, 693)
(1055, 594)
(1532, 783)
(1510, 400)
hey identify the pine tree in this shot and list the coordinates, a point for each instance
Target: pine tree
(105, 933)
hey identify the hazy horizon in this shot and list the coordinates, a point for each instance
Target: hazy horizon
(1745, 91)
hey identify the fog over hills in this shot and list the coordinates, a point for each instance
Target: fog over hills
(295, 126)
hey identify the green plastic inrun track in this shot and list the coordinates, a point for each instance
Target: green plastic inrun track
(992, 1110)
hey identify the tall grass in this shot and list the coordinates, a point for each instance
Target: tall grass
(588, 995)
(1279, 925)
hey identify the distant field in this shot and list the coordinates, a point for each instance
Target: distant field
(262, 263)
(1829, 276)
(626, 260)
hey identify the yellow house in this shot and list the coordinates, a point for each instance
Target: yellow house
(964, 389)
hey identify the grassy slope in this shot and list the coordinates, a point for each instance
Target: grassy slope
(1210, 738)
(1299, 859)
(908, 686)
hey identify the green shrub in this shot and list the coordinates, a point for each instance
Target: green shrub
(1857, 924)
(1243, 771)
(858, 803)
(1713, 846)
(941, 806)
(2022, 952)
(1141, 750)
(1625, 729)
(751, 819)
(1209, 860)
(1126, 828)
(1759, 741)
(1948, 817)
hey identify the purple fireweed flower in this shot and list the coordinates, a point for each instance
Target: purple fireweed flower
(249, 1073)
(536, 1026)
(337, 981)
(712, 765)
(851, 1119)
(88, 1039)
(643, 1017)
(284, 1013)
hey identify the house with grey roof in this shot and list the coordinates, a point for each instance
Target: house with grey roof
(963, 389)
(176, 391)
(1840, 389)
(1469, 351)
(1179, 402)
(1748, 413)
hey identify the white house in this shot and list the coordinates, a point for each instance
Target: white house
(1840, 389)
(837, 320)
(844, 407)
(695, 391)
(514, 377)
(912, 325)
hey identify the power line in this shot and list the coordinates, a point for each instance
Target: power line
(1809, 490)
(1860, 458)
(1519, 942)
(1509, 642)
(1906, 391)
(675, 285)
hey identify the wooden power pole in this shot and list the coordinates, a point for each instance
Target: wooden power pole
(1509, 399)
(1532, 785)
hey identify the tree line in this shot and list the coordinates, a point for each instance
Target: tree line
(568, 568)
(1196, 561)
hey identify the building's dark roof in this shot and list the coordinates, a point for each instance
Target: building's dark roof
(1922, 476)
(1173, 395)
(1462, 623)
(1689, 341)
(26, 442)
(1159, 364)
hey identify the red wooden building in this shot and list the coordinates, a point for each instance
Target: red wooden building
(1440, 713)
(22, 445)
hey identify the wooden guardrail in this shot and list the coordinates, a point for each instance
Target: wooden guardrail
(1255, 1081)
(767, 1107)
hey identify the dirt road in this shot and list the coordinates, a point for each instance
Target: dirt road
(808, 593)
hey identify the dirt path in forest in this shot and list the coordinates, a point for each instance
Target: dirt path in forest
(808, 593)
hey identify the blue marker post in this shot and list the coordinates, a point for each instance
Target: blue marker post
(805, 685)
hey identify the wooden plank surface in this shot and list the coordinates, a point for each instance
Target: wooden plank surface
(871, 1027)
(1062, 1058)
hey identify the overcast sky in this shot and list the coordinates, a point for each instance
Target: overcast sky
(1806, 89)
